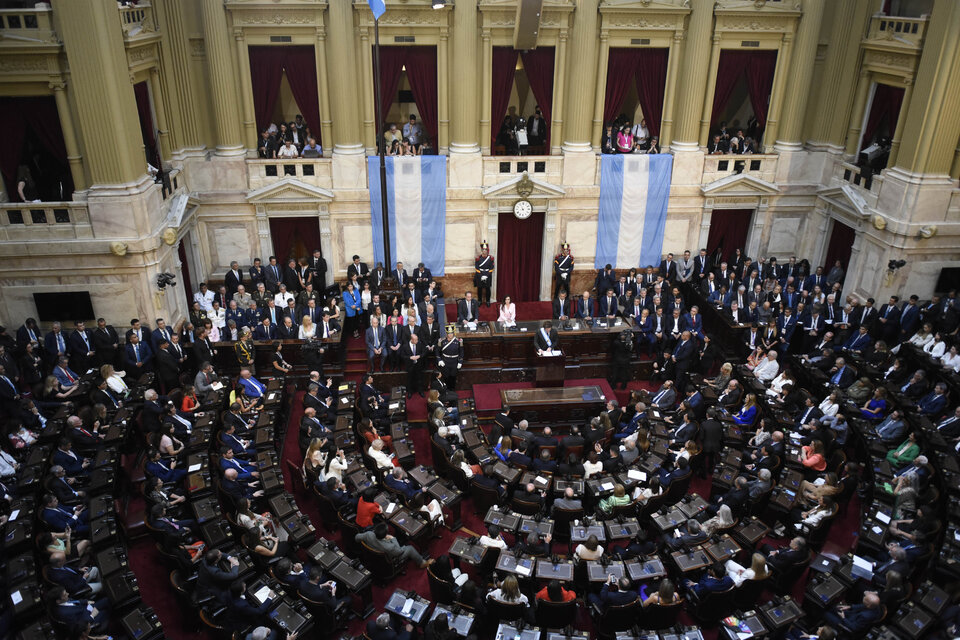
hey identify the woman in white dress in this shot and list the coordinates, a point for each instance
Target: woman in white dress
(307, 329)
(740, 574)
(115, 380)
(334, 466)
(508, 313)
(376, 452)
(936, 347)
(831, 404)
(951, 359)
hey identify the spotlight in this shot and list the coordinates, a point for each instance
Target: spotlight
(893, 265)
(166, 279)
(439, 4)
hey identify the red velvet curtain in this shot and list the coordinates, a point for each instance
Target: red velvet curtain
(142, 94)
(728, 230)
(266, 71)
(651, 75)
(300, 64)
(538, 65)
(391, 68)
(422, 73)
(421, 66)
(729, 70)
(759, 68)
(518, 256)
(621, 67)
(886, 105)
(294, 237)
(841, 243)
(760, 71)
(504, 72)
(44, 120)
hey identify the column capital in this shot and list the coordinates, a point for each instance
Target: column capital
(604, 34)
(321, 34)
(445, 33)
(485, 33)
(716, 39)
(57, 85)
(678, 37)
(238, 33)
(563, 34)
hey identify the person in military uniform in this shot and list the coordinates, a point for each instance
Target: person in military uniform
(450, 357)
(246, 353)
(563, 268)
(483, 278)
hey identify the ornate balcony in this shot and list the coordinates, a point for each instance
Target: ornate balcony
(43, 221)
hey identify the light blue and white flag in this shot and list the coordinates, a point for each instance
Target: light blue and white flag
(634, 192)
(378, 7)
(417, 199)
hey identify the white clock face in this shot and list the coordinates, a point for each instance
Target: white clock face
(522, 209)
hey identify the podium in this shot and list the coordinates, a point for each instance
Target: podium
(550, 370)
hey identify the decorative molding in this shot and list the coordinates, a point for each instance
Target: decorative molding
(739, 184)
(428, 17)
(261, 18)
(11, 64)
(290, 191)
(776, 23)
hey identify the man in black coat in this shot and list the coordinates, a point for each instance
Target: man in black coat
(546, 338)
(412, 355)
(168, 367)
(502, 425)
(781, 559)
(468, 309)
(212, 579)
(711, 433)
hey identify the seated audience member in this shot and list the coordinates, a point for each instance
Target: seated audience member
(380, 628)
(715, 579)
(857, 618)
(757, 570)
(380, 540)
(613, 593)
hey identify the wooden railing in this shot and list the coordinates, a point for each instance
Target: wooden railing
(24, 221)
(906, 31)
(762, 166)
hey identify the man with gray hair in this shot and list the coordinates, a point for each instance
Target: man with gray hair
(520, 432)
(75, 581)
(568, 501)
(266, 633)
(380, 629)
(761, 485)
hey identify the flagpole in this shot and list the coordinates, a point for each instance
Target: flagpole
(381, 144)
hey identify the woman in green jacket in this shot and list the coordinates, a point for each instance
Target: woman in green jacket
(905, 453)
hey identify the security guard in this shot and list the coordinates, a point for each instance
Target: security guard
(450, 357)
(563, 267)
(246, 352)
(483, 278)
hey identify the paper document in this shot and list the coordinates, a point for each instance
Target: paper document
(194, 467)
(16, 597)
(607, 486)
(216, 386)
(522, 570)
(407, 607)
(634, 474)
(262, 594)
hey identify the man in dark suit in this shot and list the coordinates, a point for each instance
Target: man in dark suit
(841, 375)
(288, 330)
(682, 359)
(168, 367)
(411, 353)
(855, 619)
(502, 425)
(212, 578)
(468, 309)
(614, 593)
(585, 309)
(58, 518)
(77, 614)
(668, 268)
(139, 357)
(358, 268)
(63, 487)
(422, 277)
(55, 345)
(318, 266)
(609, 306)
(784, 558)
(561, 306)
(381, 629)
(606, 279)
(106, 342)
(81, 348)
(546, 338)
(400, 275)
(78, 582)
(887, 325)
(273, 275)
(325, 593)
(233, 278)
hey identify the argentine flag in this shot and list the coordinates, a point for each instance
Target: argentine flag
(634, 192)
(417, 200)
(378, 7)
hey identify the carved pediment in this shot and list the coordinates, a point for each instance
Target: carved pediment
(740, 184)
(290, 191)
(523, 186)
(847, 197)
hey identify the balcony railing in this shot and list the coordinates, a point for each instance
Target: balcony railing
(497, 169)
(28, 24)
(26, 221)
(762, 166)
(317, 172)
(136, 19)
(909, 32)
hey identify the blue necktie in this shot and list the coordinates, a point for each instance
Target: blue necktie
(836, 376)
(60, 346)
(136, 350)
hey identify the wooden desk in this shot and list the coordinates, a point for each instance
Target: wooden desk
(225, 360)
(555, 404)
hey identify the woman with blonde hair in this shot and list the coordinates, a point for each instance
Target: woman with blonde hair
(757, 571)
(690, 449)
(748, 413)
(307, 329)
(508, 592)
(665, 594)
(115, 380)
(313, 461)
(619, 498)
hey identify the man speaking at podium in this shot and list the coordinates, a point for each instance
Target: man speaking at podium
(546, 340)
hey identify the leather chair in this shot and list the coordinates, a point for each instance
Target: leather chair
(348, 536)
(556, 615)
(745, 596)
(328, 512)
(618, 618)
(379, 564)
(661, 616)
(499, 612)
(818, 534)
(483, 497)
(561, 522)
(783, 581)
(678, 488)
(442, 591)
(713, 606)
(524, 507)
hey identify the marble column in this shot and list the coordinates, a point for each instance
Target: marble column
(839, 76)
(703, 137)
(932, 128)
(602, 59)
(369, 109)
(797, 91)
(559, 86)
(858, 111)
(163, 129)
(673, 66)
(486, 91)
(185, 124)
(245, 84)
(693, 71)
(69, 136)
(345, 109)
(464, 117)
(100, 82)
(777, 91)
(579, 94)
(320, 59)
(901, 123)
(443, 97)
(220, 78)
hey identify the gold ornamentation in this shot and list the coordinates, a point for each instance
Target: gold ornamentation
(169, 236)
(118, 249)
(525, 186)
(879, 222)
